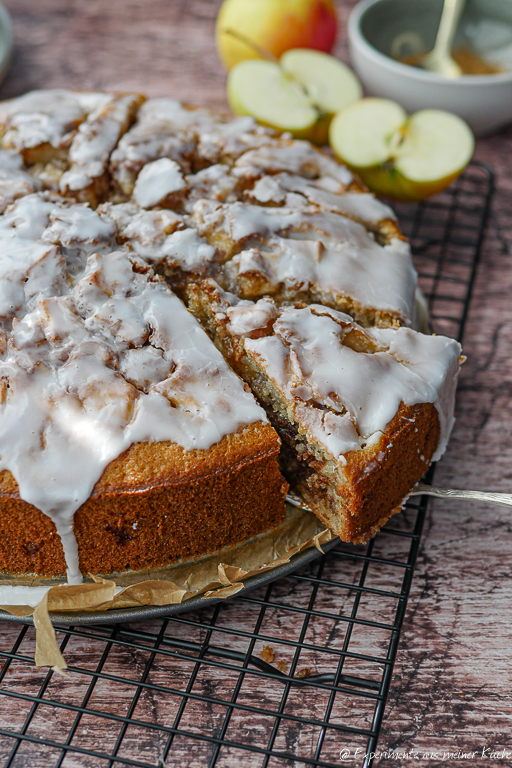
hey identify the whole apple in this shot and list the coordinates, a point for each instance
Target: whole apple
(274, 26)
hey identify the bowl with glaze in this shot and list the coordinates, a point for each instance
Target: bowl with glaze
(382, 31)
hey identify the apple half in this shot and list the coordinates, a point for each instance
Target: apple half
(273, 25)
(301, 93)
(406, 158)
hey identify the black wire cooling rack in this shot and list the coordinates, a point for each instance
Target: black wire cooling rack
(194, 690)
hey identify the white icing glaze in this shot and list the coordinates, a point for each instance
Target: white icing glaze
(361, 206)
(246, 317)
(268, 190)
(157, 180)
(27, 218)
(371, 275)
(217, 140)
(97, 361)
(185, 249)
(79, 232)
(164, 128)
(96, 138)
(10, 160)
(46, 117)
(322, 251)
(15, 184)
(296, 157)
(311, 366)
(69, 410)
(76, 229)
(146, 228)
(241, 221)
(160, 237)
(215, 183)
(180, 118)
(78, 226)
(28, 271)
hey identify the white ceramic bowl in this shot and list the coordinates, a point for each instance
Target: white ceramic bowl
(6, 43)
(484, 101)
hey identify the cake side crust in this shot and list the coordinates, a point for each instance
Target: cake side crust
(154, 505)
(376, 480)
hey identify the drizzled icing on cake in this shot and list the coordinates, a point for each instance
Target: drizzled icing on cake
(46, 117)
(295, 191)
(76, 229)
(14, 181)
(297, 157)
(160, 237)
(229, 139)
(245, 316)
(75, 131)
(216, 182)
(116, 361)
(167, 129)
(156, 181)
(321, 251)
(96, 138)
(342, 396)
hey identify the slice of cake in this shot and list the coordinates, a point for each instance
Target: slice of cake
(311, 255)
(191, 137)
(362, 412)
(126, 441)
(164, 240)
(65, 138)
(299, 158)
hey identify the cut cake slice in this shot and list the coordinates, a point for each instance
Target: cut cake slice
(65, 138)
(310, 255)
(194, 138)
(362, 412)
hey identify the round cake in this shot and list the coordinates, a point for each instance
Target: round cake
(161, 266)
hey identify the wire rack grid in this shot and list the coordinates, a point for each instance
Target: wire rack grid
(295, 673)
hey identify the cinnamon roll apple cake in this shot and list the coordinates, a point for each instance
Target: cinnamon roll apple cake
(192, 307)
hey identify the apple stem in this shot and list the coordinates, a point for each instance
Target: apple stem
(255, 47)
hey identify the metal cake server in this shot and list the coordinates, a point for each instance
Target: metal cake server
(504, 499)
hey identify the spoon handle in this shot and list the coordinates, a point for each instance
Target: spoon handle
(450, 16)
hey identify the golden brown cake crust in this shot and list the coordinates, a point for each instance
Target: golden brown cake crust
(155, 504)
(235, 202)
(371, 497)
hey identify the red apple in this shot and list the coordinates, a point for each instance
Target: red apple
(274, 26)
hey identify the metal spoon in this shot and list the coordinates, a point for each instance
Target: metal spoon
(503, 499)
(439, 59)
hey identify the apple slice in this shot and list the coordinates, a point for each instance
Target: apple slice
(264, 91)
(400, 157)
(328, 82)
(299, 94)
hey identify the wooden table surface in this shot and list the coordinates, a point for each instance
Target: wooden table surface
(451, 688)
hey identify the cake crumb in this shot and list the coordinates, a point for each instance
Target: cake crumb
(282, 665)
(267, 654)
(304, 672)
